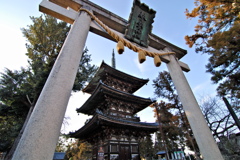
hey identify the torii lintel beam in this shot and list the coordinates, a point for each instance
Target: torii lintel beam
(67, 10)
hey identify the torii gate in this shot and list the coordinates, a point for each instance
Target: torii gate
(42, 131)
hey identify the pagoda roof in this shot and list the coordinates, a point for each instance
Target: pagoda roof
(103, 90)
(100, 119)
(105, 70)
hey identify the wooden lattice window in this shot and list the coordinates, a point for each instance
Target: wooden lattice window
(134, 148)
(114, 148)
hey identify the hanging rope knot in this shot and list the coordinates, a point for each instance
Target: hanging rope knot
(141, 56)
(120, 47)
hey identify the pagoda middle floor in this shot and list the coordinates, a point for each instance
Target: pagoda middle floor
(114, 130)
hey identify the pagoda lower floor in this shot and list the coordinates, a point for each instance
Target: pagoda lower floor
(112, 138)
(116, 148)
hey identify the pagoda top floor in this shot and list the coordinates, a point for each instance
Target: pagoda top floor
(115, 79)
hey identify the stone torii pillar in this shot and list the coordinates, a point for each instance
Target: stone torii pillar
(41, 133)
(202, 133)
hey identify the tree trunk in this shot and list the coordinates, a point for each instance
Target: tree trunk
(16, 141)
(161, 131)
(232, 112)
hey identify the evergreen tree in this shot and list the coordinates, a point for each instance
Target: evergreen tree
(146, 147)
(217, 117)
(14, 105)
(175, 126)
(19, 90)
(224, 61)
(217, 34)
(171, 135)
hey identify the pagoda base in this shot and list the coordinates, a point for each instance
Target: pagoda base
(116, 148)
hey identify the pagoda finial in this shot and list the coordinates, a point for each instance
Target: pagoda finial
(113, 60)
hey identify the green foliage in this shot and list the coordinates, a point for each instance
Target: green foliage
(10, 126)
(19, 90)
(164, 87)
(146, 147)
(229, 147)
(217, 34)
(172, 133)
(14, 105)
(224, 61)
(85, 71)
(14, 91)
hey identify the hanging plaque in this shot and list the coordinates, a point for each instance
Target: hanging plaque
(140, 23)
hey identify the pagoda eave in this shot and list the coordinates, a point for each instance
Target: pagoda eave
(103, 90)
(100, 121)
(106, 70)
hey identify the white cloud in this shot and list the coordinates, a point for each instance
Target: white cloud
(75, 120)
(205, 88)
(139, 65)
(12, 49)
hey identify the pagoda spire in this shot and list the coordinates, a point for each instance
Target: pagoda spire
(113, 60)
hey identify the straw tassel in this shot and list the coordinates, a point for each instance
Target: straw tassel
(120, 47)
(141, 56)
(157, 60)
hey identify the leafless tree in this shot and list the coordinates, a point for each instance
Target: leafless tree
(218, 117)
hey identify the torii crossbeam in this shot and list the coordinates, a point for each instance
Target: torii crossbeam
(68, 11)
(42, 131)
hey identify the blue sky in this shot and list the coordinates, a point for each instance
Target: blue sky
(170, 24)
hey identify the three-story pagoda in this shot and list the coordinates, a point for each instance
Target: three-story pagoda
(114, 130)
